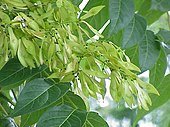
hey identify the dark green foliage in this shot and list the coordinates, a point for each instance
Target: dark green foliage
(50, 64)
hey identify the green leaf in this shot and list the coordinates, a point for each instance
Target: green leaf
(5, 97)
(116, 38)
(149, 50)
(157, 101)
(74, 101)
(156, 74)
(138, 4)
(38, 94)
(5, 102)
(133, 54)
(76, 2)
(62, 116)
(164, 36)
(134, 32)
(150, 15)
(161, 5)
(14, 74)
(121, 13)
(94, 120)
(31, 118)
(69, 99)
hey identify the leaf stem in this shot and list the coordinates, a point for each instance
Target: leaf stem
(3, 109)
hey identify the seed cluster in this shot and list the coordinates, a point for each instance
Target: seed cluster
(49, 32)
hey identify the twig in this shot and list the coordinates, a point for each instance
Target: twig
(15, 97)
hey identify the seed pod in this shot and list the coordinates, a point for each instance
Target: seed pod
(128, 96)
(93, 30)
(39, 21)
(131, 66)
(68, 77)
(21, 53)
(16, 3)
(59, 3)
(116, 88)
(24, 57)
(93, 11)
(47, 14)
(6, 49)
(30, 48)
(4, 17)
(150, 88)
(2, 36)
(36, 33)
(92, 88)
(102, 87)
(98, 74)
(71, 66)
(141, 100)
(51, 52)
(90, 67)
(84, 86)
(3, 50)
(132, 86)
(29, 60)
(30, 22)
(40, 55)
(13, 42)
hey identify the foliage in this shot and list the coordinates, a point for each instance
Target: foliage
(51, 61)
